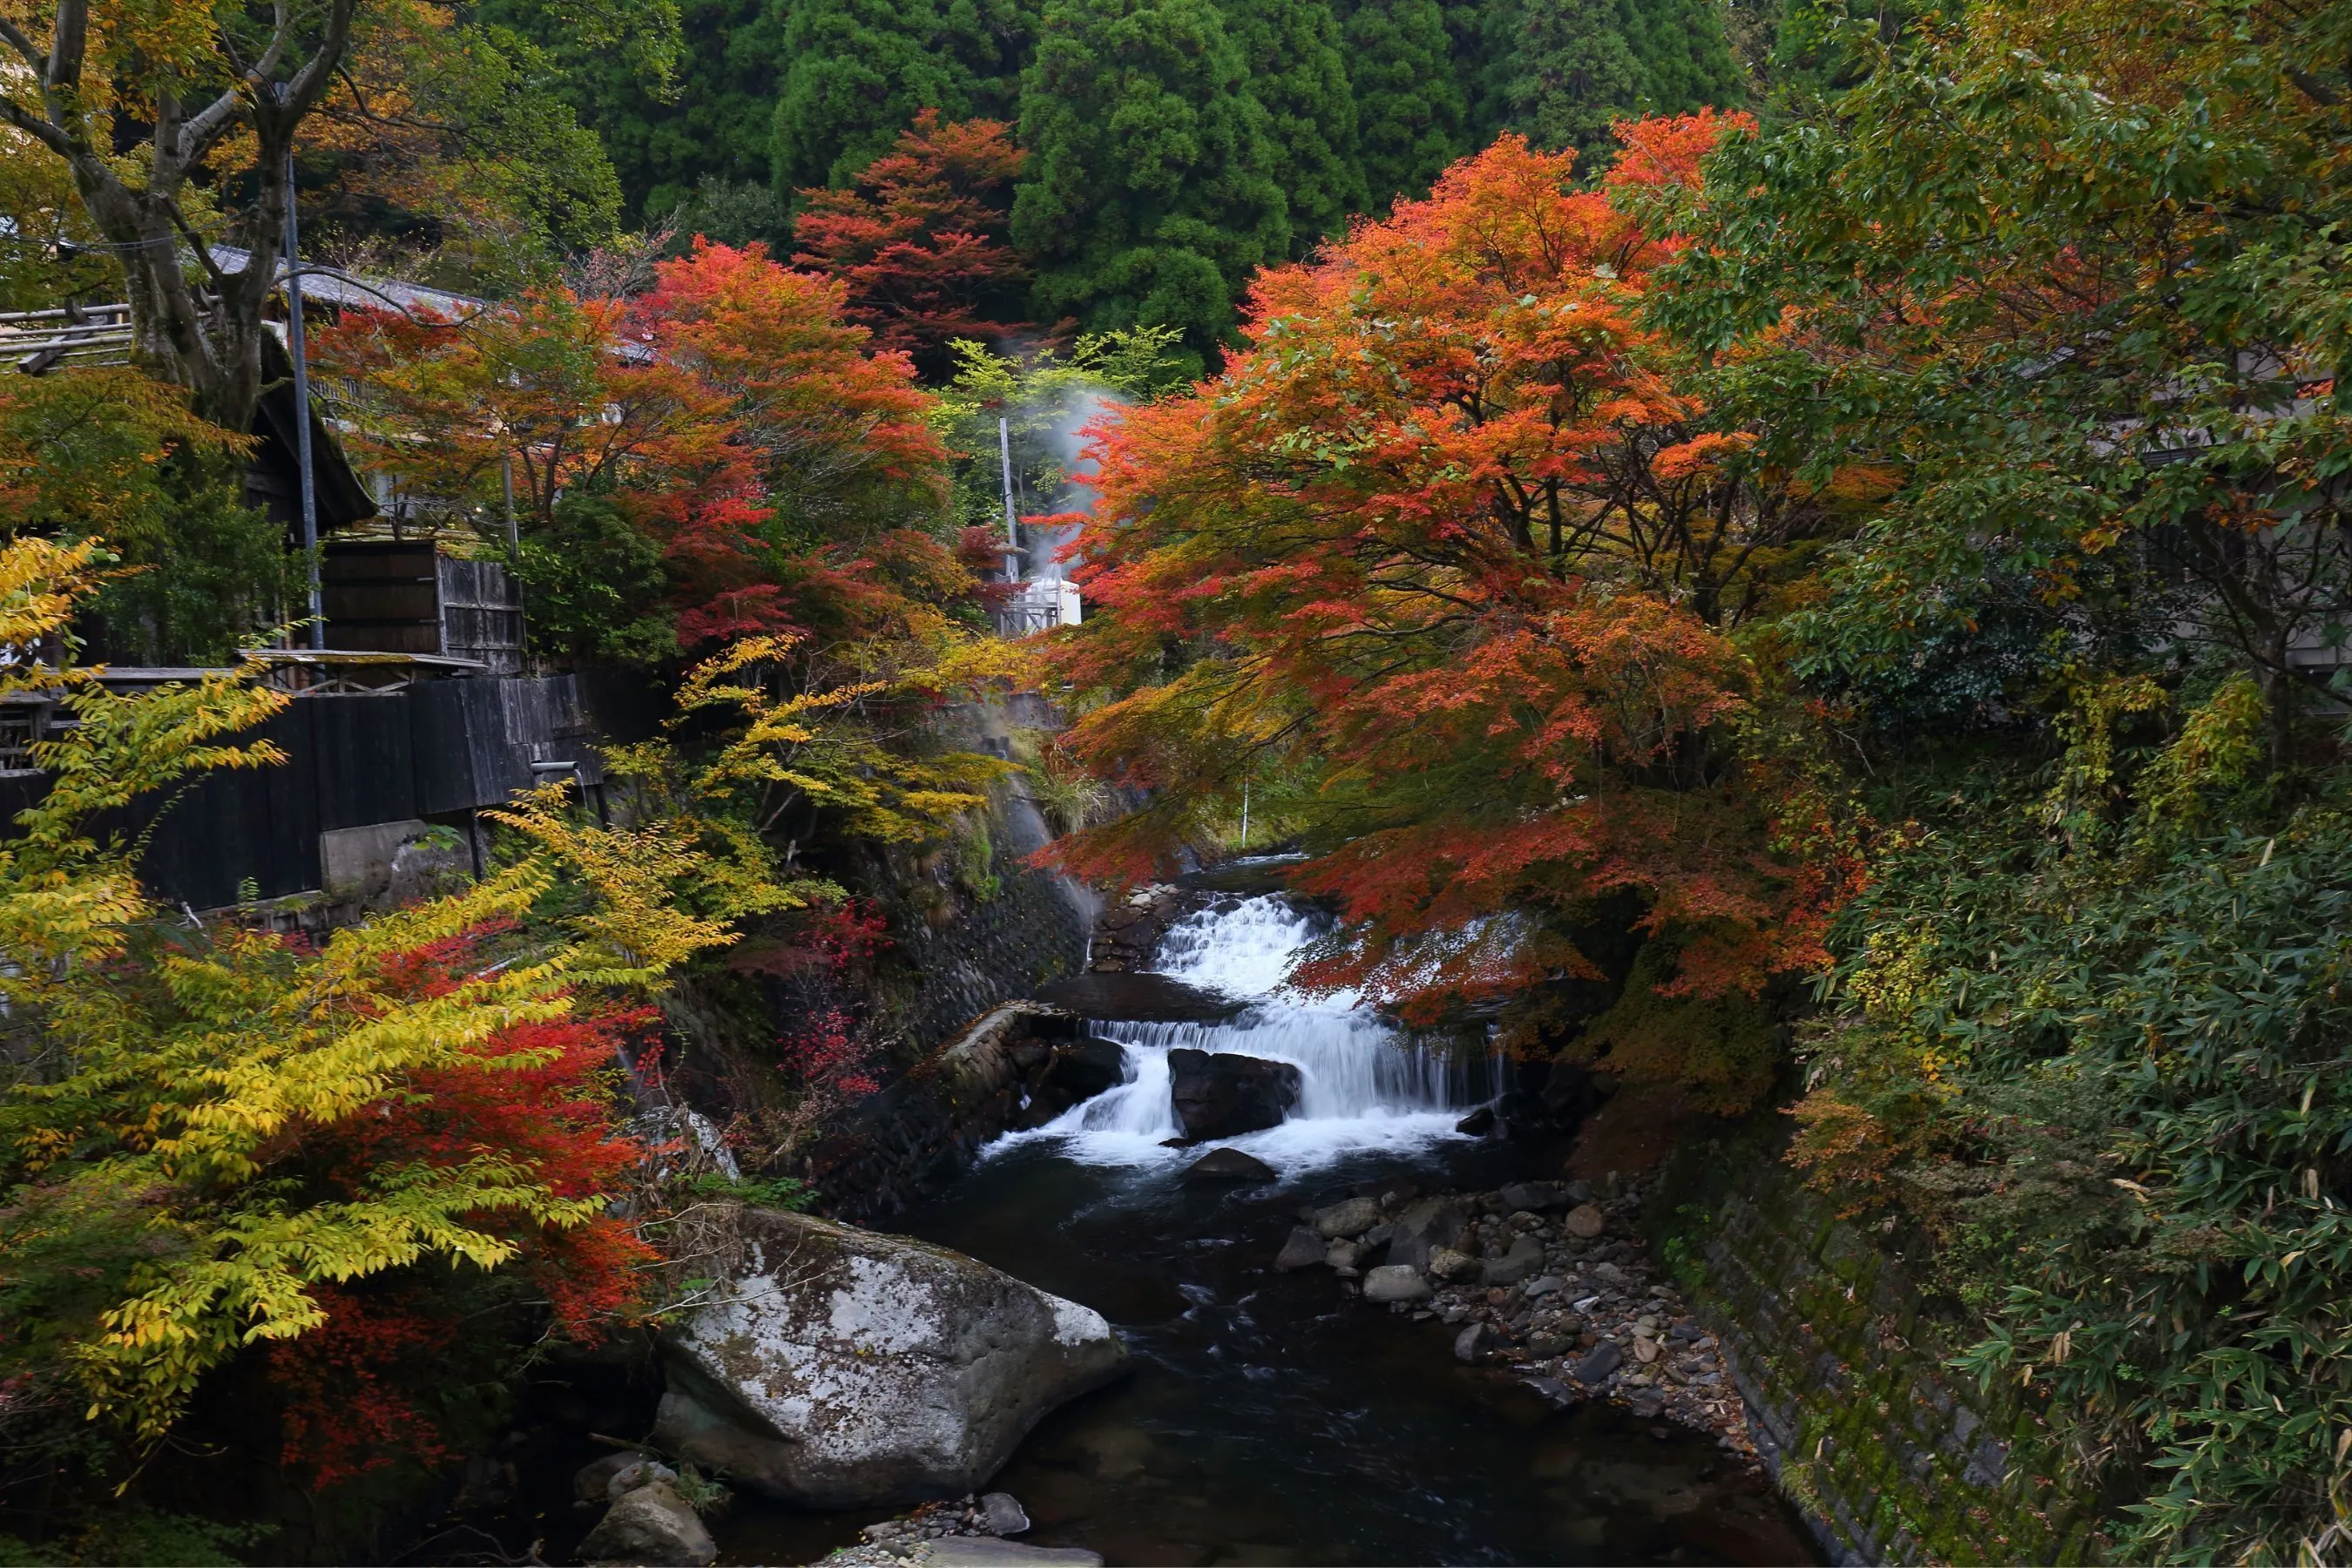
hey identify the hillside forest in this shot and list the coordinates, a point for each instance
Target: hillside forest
(1795, 557)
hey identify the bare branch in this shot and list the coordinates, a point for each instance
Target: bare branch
(34, 125)
(309, 83)
(24, 46)
(207, 125)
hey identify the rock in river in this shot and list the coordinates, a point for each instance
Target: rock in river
(1304, 1249)
(1221, 1094)
(841, 1369)
(1395, 1282)
(1423, 1228)
(1230, 1165)
(1351, 1218)
(653, 1526)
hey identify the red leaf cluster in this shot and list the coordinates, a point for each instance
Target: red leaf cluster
(919, 239)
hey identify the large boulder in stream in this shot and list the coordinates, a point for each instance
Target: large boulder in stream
(836, 1368)
(1221, 1094)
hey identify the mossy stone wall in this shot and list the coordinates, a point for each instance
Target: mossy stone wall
(1895, 1455)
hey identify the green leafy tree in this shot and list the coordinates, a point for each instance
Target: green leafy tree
(1412, 115)
(713, 120)
(858, 71)
(1153, 185)
(1298, 72)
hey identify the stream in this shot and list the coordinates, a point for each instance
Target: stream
(1270, 1418)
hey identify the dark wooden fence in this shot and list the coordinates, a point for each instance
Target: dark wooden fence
(436, 751)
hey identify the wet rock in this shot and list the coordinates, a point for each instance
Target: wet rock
(629, 1477)
(1550, 1388)
(1230, 1165)
(1544, 1285)
(1599, 1362)
(1448, 1264)
(1649, 1404)
(1086, 1068)
(1524, 1258)
(594, 1481)
(1535, 1196)
(1352, 1218)
(1395, 1282)
(988, 1552)
(1149, 998)
(1221, 1094)
(1344, 1255)
(1685, 1333)
(1003, 1514)
(651, 1525)
(841, 1369)
(1585, 1222)
(1305, 1248)
(1423, 1227)
(1478, 1123)
(1473, 1342)
(1378, 1236)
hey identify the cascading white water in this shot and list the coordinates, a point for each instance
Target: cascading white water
(1360, 1086)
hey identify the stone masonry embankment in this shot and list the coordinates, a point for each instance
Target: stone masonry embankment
(1896, 1457)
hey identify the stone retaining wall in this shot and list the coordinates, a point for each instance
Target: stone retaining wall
(1895, 1456)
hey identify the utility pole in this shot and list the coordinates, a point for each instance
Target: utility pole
(297, 350)
(1011, 523)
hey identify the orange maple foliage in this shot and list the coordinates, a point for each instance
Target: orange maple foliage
(782, 465)
(1448, 560)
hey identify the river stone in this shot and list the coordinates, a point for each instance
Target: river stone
(1478, 1123)
(1086, 1068)
(1351, 1218)
(1004, 1513)
(1424, 1226)
(842, 1369)
(1304, 1249)
(1585, 1222)
(652, 1526)
(593, 1482)
(1345, 1254)
(1599, 1362)
(1222, 1094)
(1547, 1285)
(1230, 1165)
(1395, 1282)
(1535, 1196)
(629, 1477)
(1524, 1258)
(1448, 1264)
(1471, 1342)
(988, 1552)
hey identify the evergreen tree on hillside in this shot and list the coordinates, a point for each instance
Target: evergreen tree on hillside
(1411, 116)
(1683, 49)
(711, 124)
(1153, 186)
(1297, 73)
(858, 71)
(1575, 77)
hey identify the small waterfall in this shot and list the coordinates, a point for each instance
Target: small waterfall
(1360, 1087)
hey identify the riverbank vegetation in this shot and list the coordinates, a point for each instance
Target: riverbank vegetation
(1793, 559)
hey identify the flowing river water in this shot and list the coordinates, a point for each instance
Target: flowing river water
(1270, 1419)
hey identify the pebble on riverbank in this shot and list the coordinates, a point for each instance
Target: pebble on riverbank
(1551, 1279)
(911, 1540)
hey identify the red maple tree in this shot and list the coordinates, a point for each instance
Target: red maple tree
(919, 239)
(1450, 562)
